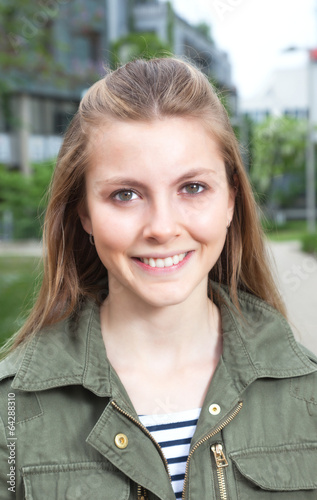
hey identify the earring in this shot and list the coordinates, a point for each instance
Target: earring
(91, 239)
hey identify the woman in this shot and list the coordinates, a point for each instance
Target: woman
(157, 362)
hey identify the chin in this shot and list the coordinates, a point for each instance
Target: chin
(166, 299)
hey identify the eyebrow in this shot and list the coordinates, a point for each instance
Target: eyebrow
(128, 181)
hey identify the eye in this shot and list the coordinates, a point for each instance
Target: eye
(194, 188)
(124, 195)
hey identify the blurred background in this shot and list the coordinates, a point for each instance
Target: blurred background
(261, 56)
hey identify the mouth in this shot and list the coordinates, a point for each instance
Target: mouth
(167, 262)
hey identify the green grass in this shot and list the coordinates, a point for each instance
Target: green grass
(290, 231)
(17, 284)
(309, 243)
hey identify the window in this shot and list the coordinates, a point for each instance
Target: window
(63, 114)
(61, 121)
(6, 113)
(95, 46)
(88, 46)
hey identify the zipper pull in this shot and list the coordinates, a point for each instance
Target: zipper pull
(219, 455)
(142, 493)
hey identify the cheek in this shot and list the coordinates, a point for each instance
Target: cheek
(111, 245)
(208, 224)
(210, 233)
(113, 233)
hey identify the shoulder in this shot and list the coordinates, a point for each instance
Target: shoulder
(305, 388)
(310, 355)
(11, 363)
(259, 339)
(56, 356)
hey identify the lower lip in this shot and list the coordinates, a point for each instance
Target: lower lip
(163, 270)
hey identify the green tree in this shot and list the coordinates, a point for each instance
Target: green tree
(24, 197)
(205, 29)
(279, 152)
(134, 45)
(29, 48)
(25, 41)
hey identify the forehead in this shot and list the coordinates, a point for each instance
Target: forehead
(164, 145)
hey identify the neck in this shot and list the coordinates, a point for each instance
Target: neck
(175, 334)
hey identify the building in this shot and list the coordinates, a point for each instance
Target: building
(291, 89)
(60, 46)
(78, 37)
(153, 16)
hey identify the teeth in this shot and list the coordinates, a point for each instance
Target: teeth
(168, 262)
(175, 259)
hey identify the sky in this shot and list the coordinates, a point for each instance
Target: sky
(255, 33)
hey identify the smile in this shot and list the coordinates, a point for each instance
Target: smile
(168, 262)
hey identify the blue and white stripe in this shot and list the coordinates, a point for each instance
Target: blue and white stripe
(173, 432)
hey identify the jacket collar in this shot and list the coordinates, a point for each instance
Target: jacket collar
(73, 353)
(69, 353)
(259, 343)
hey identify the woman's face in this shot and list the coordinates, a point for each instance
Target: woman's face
(158, 204)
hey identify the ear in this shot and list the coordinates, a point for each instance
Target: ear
(84, 216)
(231, 203)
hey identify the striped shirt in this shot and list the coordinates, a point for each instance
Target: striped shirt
(173, 432)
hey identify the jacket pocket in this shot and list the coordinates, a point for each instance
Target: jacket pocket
(76, 481)
(287, 472)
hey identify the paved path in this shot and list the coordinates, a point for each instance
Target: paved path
(28, 248)
(296, 275)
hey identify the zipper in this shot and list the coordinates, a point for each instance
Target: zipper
(221, 463)
(142, 493)
(208, 436)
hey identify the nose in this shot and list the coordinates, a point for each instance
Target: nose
(162, 223)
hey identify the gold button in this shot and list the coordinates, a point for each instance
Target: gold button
(214, 409)
(121, 441)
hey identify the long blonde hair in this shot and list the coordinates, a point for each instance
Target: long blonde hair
(142, 91)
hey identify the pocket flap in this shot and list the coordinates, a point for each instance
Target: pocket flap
(284, 468)
(77, 481)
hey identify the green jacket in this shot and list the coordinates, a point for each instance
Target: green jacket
(69, 431)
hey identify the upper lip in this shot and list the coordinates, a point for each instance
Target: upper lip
(157, 256)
